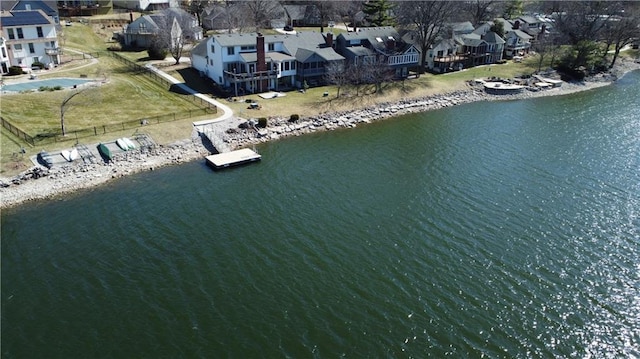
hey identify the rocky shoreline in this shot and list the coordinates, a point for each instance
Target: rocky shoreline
(40, 183)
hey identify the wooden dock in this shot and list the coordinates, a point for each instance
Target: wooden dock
(233, 158)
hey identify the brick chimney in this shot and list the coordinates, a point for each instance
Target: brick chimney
(262, 62)
(329, 39)
(391, 44)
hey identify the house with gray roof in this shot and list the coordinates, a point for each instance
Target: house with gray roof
(250, 63)
(47, 6)
(142, 31)
(481, 48)
(381, 45)
(28, 37)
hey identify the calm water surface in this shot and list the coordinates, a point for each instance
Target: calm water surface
(499, 229)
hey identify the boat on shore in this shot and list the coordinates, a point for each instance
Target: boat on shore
(66, 154)
(45, 159)
(69, 155)
(105, 152)
(122, 144)
(129, 143)
(73, 154)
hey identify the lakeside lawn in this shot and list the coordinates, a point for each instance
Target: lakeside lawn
(128, 96)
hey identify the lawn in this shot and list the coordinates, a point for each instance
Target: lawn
(124, 96)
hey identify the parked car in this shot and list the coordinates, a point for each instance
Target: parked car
(288, 28)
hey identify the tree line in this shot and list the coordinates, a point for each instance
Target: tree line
(584, 36)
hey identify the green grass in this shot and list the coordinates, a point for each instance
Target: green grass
(125, 96)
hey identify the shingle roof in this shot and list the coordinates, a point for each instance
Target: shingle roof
(200, 49)
(521, 34)
(23, 18)
(493, 38)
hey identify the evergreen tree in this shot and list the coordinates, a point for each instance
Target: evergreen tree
(379, 12)
(498, 28)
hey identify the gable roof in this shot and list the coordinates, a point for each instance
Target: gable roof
(200, 49)
(23, 18)
(493, 38)
(309, 41)
(521, 34)
(48, 6)
(295, 12)
(462, 27)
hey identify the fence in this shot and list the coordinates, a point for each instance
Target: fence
(18, 132)
(157, 78)
(56, 136)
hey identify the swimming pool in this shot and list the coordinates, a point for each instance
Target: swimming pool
(36, 84)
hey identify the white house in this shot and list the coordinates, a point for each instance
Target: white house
(256, 63)
(29, 37)
(4, 56)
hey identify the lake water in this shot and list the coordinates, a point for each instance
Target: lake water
(503, 229)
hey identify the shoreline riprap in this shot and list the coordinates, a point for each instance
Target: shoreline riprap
(41, 183)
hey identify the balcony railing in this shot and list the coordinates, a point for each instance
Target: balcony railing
(245, 76)
(52, 51)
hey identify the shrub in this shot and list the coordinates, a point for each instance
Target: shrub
(15, 70)
(157, 53)
(294, 118)
(38, 64)
(57, 87)
(262, 122)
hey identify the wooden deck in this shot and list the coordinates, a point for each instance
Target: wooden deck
(233, 158)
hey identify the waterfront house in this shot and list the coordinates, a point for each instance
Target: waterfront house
(47, 6)
(142, 31)
(29, 37)
(257, 63)
(380, 45)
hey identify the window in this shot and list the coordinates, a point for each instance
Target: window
(53, 44)
(20, 34)
(4, 53)
(39, 29)
(213, 49)
(286, 65)
(231, 50)
(248, 48)
(440, 53)
(18, 47)
(35, 59)
(32, 50)
(272, 47)
(12, 36)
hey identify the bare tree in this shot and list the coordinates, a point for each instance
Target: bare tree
(261, 12)
(337, 75)
(481, 10)
(326, 12)
(620, 32)
(378, 72)
(544, 47)
(583, 22)
(175, 28)
(348, 9)
(196, 7)
(427, 19)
